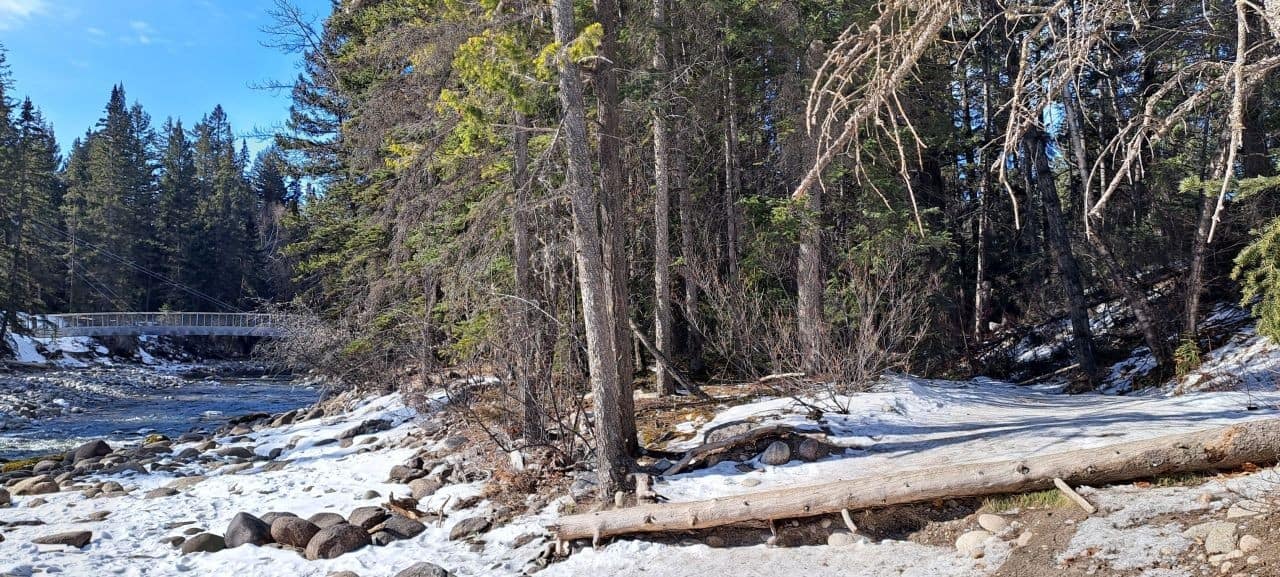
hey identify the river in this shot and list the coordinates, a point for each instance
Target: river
(48, 411)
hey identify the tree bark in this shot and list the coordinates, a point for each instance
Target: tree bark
(614, 222)
(531, 362)
(662, 329)
(1209, 450)
(1060, 245)
(612, 450)
(810, 278)
(732, 169)
(1119, 275)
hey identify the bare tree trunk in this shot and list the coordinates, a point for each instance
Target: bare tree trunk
(810, 277)
(732, 169)
(662, 329)
(1068, 269)
(1207, 450)
(614, 194)
(612, 454)
(1119, 275)
(531, 361)
(688, 219)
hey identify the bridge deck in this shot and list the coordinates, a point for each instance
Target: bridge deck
(164, 324)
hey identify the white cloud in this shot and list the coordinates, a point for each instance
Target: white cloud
(143, 33)
(95, 31)
(14, 12)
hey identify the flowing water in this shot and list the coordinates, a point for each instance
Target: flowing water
(49, 411)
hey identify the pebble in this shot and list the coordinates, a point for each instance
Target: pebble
(992, 523)
(840, 539)
(1249, 543)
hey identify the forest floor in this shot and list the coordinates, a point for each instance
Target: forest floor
(360, 451)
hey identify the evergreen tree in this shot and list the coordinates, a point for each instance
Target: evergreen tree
(177, 196)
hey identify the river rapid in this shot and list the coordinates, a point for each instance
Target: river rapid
(48, 411)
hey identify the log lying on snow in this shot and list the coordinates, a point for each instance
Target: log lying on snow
(1255, 442)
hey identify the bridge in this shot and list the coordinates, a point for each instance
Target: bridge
(160, 324)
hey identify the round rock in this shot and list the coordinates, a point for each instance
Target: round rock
(203, 543)
(778, 453)
(293, 531)
(326, 520)
(245, 528)
(336, 541)
(992, 523)
(424, 569)
(972, 544)
(368, 517)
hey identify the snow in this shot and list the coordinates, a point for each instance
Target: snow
(904, 423)
(908, 422)
(24, 349)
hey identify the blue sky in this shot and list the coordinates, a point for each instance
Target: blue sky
(177, 57)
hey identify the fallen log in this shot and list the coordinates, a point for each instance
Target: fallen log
(1230, 447)
(708, 449)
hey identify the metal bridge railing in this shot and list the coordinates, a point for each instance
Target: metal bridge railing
(162, 323)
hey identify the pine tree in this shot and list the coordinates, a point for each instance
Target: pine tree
(177, 191)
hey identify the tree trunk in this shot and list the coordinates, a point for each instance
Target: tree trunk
(617, 272)
(1060, 245)
(732, 170)
(531, 354)
(810, 278)
(663, 334)
(612, 449)
(1214, 449)
(1120, 276)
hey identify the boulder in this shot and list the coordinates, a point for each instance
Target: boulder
(368, 517)
(401, 527)
(77, 539)
(424, 487)
(238, 452)
(403, 474)
(777, 453)
(468, 527)
(366, 428)
(37, 485)
(424, 569)
(45, 466)
(382, 538)
(203, 543)
(326, 520)
(810, 450)
(98, 448)
(293, 531)
(270, 518)
(245, 528)
(160, 492)
(336, 541)
(5, 498)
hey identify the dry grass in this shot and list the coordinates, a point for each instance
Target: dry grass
(1048, 499)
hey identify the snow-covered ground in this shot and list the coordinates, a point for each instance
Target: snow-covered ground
(904, 423)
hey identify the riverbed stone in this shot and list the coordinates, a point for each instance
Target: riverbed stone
(401, 527)
(77, 539)
(270, 517)
(45, 466)
(293, 531)
(368, 517)
(336, 541)
(326, 519)
(38, 485)
(5, 498)
(424, 487)
(424, 569)
(468, 527)
(160, 492)
(973, 543)
(95, 448)
(403, 474)
(992, 523)
(777, 453)
(203, 543)
(236, 452)
(245, 528)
